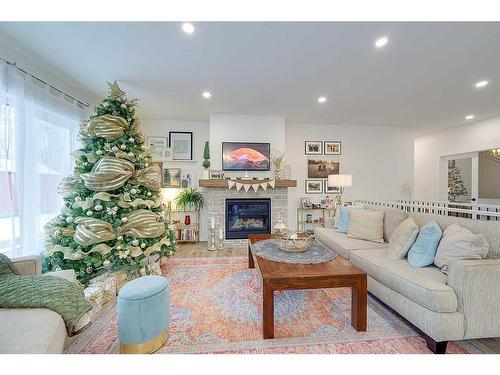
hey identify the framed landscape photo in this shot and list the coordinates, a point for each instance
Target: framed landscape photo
(246, 156)
(157, 146)
(331, 189)
(172, 177)
(181, 144)
(333, 148)
(322, 168)
(314, 148)
(314, 186)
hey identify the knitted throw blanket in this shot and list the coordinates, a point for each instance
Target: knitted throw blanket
(50, 292)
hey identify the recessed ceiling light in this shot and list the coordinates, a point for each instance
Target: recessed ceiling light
(381, 42)
(481, 84)
(188, 28)
(207, 94)
(469, 117)
(321, 99)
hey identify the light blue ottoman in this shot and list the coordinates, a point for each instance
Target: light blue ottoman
(143, 314)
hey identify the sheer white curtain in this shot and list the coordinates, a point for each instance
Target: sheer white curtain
(38, 128)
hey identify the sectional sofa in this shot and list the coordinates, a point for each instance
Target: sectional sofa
(464, 304)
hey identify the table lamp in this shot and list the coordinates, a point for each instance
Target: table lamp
(341, 181)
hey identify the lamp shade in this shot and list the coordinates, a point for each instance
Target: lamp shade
(340, 180)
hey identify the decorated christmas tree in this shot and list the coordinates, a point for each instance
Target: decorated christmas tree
(456, 185)
(113, 217)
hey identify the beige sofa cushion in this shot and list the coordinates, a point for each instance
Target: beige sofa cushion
(366, 225)
(425, 286)
(460, 243)
(392, 218)
(342, 244)
(402, 238)
(31, 331)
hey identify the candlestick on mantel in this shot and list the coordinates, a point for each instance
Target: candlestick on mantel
(212, 223)
(221, 234)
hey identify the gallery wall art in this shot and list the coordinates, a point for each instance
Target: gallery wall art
(321, 168)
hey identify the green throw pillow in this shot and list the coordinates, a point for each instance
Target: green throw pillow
(6, 266)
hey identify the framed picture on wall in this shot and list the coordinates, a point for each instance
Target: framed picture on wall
(181, 144)
(157, 146)
(322, 168)
(172, 177)
(333, 148)
(314, 186)
(331, 189)
(314, 148)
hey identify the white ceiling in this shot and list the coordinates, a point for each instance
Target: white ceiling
(424, 77)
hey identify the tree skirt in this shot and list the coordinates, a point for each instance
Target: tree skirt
(317, 253)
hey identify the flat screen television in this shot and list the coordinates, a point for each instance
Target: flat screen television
(245, 156)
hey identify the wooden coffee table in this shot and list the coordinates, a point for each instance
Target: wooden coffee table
(338, 273)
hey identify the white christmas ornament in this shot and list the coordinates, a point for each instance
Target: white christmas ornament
(133, 191)
(98, 207)
(119, 247)
(143, 245)
(135, 242)
(119, 238)
(114, 148)
(123, 147)
(99, 152)
(148, 194)
(123, 106)
(69, 219)
(131, 140)
(105, 104)
(124, 219)
(106, 263)
(89, 213)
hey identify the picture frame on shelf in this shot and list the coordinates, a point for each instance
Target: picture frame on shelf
(332, 148)
(322, 168)
(331, 189)
(172, 177)
(313, 148)
(188, 179)
(306, 202)
(215, 174)
(157, 146)
(181, 144)
(314, 186)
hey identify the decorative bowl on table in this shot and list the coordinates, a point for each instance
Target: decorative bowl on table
(297, 242)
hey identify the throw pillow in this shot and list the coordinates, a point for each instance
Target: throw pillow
(422, 252)
(402, 238)
(366, 225)
(460, 243)
(6, 266)
(343, 221)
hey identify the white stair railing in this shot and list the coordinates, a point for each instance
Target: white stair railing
(476, 211)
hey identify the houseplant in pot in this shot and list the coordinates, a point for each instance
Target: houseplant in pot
(189, 199)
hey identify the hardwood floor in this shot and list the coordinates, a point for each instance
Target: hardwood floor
(190, 250)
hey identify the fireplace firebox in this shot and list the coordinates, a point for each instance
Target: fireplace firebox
(247, 216)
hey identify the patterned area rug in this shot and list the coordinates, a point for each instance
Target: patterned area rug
(216, 308)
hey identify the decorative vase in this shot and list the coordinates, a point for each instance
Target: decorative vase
(277, 173)
(205, 174)
(187, 219)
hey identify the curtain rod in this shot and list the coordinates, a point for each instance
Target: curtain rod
(45, 83)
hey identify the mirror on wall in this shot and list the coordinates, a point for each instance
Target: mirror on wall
(474, 177)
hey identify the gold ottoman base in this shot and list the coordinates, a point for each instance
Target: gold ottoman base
(147, 347)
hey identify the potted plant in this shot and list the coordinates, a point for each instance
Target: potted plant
(206, 161)
(189, 199)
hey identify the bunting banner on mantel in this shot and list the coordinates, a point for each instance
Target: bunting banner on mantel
(251, 185)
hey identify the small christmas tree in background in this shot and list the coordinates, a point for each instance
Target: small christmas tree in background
(456, 185)
(113, 217)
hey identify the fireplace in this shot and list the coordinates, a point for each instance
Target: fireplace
(247, 216)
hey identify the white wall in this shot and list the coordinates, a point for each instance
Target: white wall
(245, 128)
(380, 160)
(430, 151)
(201, 134)
(34, 67)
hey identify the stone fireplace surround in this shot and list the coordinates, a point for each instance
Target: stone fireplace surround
(215, 199)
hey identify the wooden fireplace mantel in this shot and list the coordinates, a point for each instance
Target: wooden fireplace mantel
(215, 183)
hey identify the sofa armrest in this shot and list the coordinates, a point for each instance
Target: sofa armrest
(28, 265)
(476, 284)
